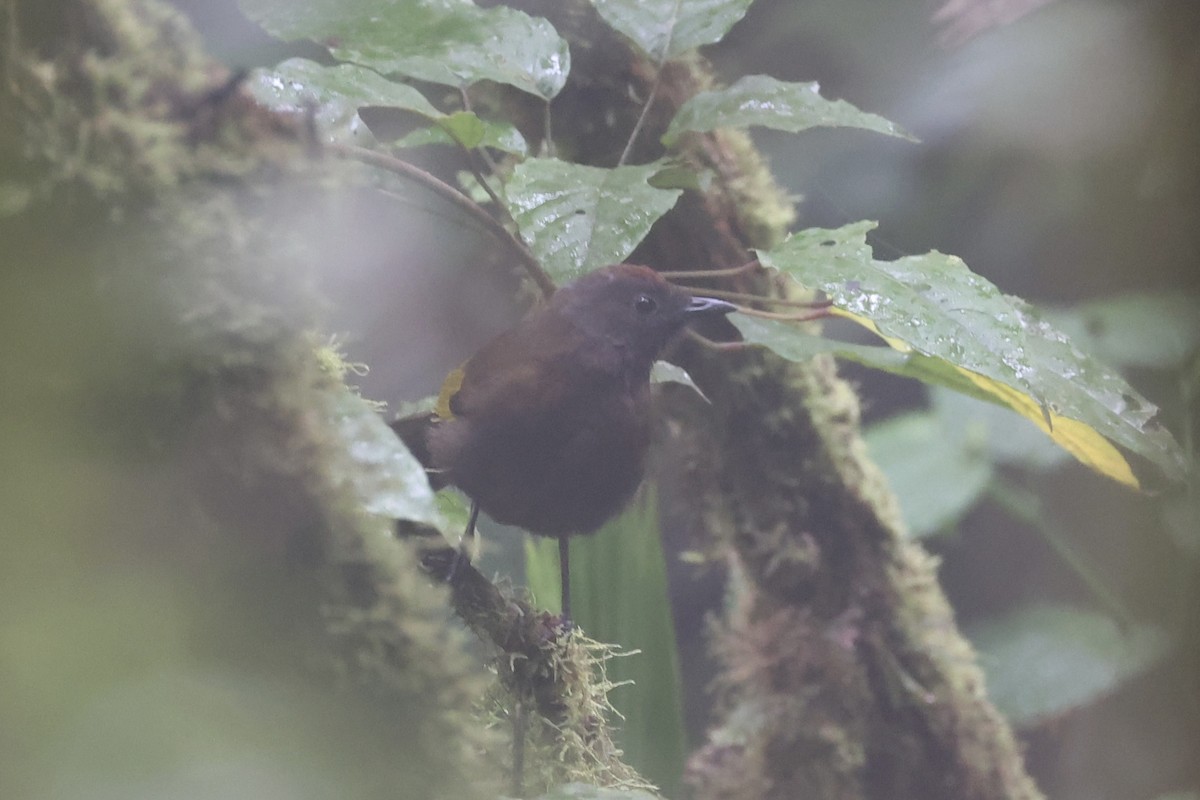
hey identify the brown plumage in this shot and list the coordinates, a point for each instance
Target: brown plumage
(549, 427)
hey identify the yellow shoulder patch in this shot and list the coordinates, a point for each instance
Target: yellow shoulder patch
(450, 387)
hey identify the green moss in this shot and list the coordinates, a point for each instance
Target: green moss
(174, 189)
(764, 211)
(575, 746)
(130, 107)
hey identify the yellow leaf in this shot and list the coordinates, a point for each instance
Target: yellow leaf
(1077, 438)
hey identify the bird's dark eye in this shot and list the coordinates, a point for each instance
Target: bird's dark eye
(645, 304)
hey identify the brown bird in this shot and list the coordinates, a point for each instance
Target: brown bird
(547, 426)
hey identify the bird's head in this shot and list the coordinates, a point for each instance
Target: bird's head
(632, 307)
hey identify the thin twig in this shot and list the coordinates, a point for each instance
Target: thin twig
(466, 204)
(693, 274)
(424, 208)
(711, 345)
(820, 313)
(518, 766)
(641, 120)
(548, 147)
(482, 178)
(758, 298)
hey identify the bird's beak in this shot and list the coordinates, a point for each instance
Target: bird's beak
(707, 306)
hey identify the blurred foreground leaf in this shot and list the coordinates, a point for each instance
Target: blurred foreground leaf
(1154, 330)
(936, 475)
(385, 477)
(1007, 437)
(940, 460)
(1046, 660)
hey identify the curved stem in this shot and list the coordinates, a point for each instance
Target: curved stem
(818, 313)
(692, 274)
(708, 343)
(641, 120)
(392, 164)
(548, 147)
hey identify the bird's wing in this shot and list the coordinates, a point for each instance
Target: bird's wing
(518, 372)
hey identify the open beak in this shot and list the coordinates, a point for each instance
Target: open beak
(708, 306)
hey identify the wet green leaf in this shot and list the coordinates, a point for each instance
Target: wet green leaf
(666, 28)
(1046, 660)
(682, 176)
(937, 475)
(450, 42)
(334, 94)
(764, 101)
(386, 478)
(469, 130)
(954, 328)
(577, 218)
(464, 128)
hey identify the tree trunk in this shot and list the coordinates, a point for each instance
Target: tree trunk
(843, 673)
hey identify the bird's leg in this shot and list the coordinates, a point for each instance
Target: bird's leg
(564, 572)
(464, 544)
(518, 754)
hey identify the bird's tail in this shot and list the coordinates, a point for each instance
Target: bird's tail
(414, 432)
